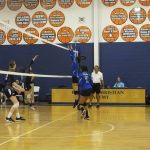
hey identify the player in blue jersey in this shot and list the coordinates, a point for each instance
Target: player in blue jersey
(85, 89)
(75, 72)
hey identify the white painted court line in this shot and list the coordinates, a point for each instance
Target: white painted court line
(17, 137)
(112, 127)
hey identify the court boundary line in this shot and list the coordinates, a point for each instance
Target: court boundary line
(84, 135)
(42, 126)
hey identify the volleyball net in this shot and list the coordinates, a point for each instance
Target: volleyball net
(15, 34)
(33, 75)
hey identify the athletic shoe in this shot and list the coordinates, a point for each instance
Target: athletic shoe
(20, 119)
(9, 119)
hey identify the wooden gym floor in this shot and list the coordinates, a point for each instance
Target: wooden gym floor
(61, 128)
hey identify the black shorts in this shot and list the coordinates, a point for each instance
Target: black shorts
(10, 92)
(96, 88)
(74, 79)
(86, 92)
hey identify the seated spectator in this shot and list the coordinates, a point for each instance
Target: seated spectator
(119, 83)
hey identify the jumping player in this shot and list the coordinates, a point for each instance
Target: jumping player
(75, 72)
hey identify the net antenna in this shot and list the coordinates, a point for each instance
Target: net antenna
(6, 26)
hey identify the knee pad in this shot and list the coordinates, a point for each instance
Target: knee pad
(75, 92)
(16, 105)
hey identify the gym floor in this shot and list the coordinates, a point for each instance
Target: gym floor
(61, 127)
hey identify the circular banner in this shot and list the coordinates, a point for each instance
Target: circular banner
(29, 39)
(2, 4)
(145, 32)
(48, 4)
(109, 3)
(22, 19)
(145, 2)
(129, 33)
(127, 2)
(39, 19)
(65, 35)
(31, 4)
(56, 18)
(14, 37)
(110, 33)
(48, 34)
(119, 16)
(2, 37)
(14, 4)
(137, 15)
(84, 3)
(83, 34)
(65, 3)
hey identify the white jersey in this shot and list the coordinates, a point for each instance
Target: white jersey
(97, 77)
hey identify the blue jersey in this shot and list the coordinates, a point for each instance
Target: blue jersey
(85, 81)
(119, 85)
(75, 64)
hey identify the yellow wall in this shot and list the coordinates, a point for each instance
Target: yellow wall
(107, 95)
